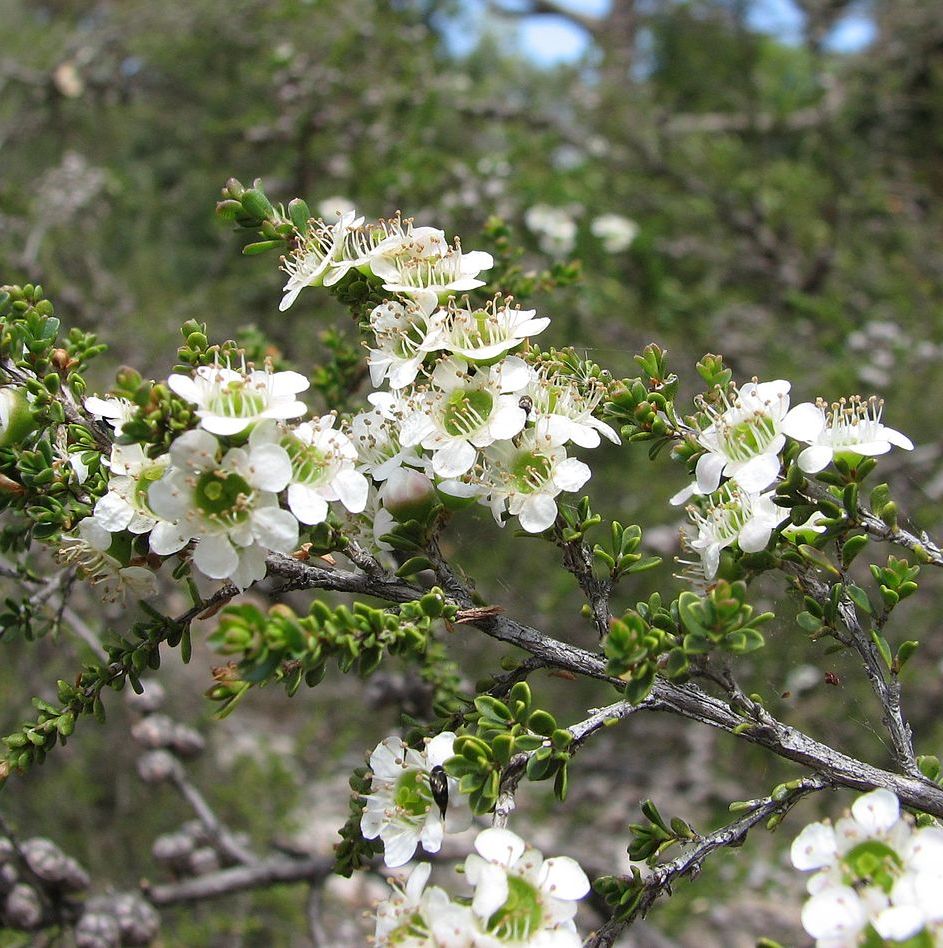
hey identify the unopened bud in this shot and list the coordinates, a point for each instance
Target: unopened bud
(16, 417)
(23, 908)
(157, 766)
(97, 929)
(407, 494)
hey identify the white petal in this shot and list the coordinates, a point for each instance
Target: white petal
(758, 473)
(815, 459)
(899, 922)
(754, 536)
(683, 495)
(708, 471)
(222, 425)
(399, 844)
(506, 422)
(275, 529)
(500, 845)
(835, 912)
(804, 422)
(895, 437)
(454, 459)
(432, 831)
(352, 489)
(251, 568)
(876, 812)
(491, 890)
(387, 758)
(215, 557)
(113, 512)
(269, 467)
(185, 387)
(570, 474)
(563, 878)
(537, 513)
(814, 848)
(439, 749)
(168, 538)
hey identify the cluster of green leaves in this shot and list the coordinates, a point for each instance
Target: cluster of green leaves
(653, 639)
(354, 851)
(250, 209)
(496, 732)
(643, 407)
(279, 645)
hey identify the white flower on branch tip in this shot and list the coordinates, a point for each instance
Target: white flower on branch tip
(520, 897)
(125, 505)
(564, 413)
(850, 426)
(743, 440)
(438, 275)
(417, 916)
(467, 410)
(394, 237)
(230, 402)
(322, 467)
(406, 332)
(93, 550)
(116, 411)
(400, 808)
(318, 249)
(616, 232)
(525, 478)
(375, 434)
(227, 504)
(486, 335)
(733, 515)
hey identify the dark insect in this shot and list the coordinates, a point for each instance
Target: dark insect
(527, 403)
(832, 679)
(439, 784)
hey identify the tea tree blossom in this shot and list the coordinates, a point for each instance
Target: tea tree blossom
(375, 434)
(554, 228)
(524, 479)
(125, 505)
(440, 275)
(227, 503)
(401, 808)
(873, 870)
(230, 402)
(616, 232)
(850, 427)
(733, 515)
(406, 332)
(104, 560)
(396, 237)
(116, 411)
(485, 335)
(318, 250)
(465, 411)
(322, 467)
(563, 413)
(520, 897)
(743, 440)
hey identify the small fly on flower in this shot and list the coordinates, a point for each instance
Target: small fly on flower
(439, 784)
(527, 403)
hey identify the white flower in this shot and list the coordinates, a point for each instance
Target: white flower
(116, 411)
(230, 402)
(418, 917)
(466, 411)
(228, 505)
(406, 332)
(743, 440)
(555, 229)
(322, 467)
(334, 207)
(848, 427)
(439, 274)
(615, 231)
(563, 413)
(125, 506)
(485, 335)
(317, 251)
(401, 808)
(733, 516)
(520, 898)
(103, 560)
(527, 477)
(376, 436)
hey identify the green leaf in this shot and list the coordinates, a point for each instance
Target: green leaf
(860, 598)
(639, 688)
(883, 648)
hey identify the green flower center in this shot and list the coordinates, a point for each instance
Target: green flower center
(749, 437)
(466, 410)
(413, 927)
(309, 464)
(223, 497)
(412, 793)
(530, 472)
(520, 916)
(236, 400)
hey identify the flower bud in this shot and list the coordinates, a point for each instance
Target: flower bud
(408, 495)
(16, 417)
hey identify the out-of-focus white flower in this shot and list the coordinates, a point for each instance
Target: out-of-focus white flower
(406, 332)
(401, 808)
(322, 467)
(231, 402)
(850, 427)
(485, 335)
(554, 228)
(520, 897)
(743, 440)
(318, 250)
(465, 411)
(733, 516)
(227, 504)
(335, 206)
(615, 231)
(525, 479)
(95, 552)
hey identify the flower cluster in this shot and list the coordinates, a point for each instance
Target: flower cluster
(742, 444)
(519, 899)
(876, 877)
